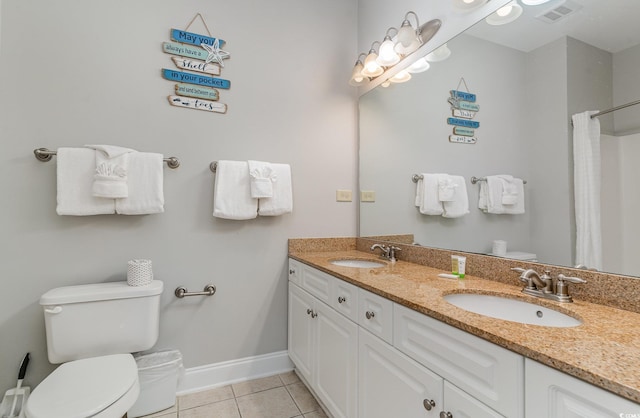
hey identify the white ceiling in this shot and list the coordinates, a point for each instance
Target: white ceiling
(611, 25)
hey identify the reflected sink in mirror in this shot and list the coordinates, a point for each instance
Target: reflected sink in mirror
(357, 263)
(511, 310)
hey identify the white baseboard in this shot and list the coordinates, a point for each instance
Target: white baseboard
(215, 375)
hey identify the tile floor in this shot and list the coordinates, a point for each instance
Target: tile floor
(279, 396)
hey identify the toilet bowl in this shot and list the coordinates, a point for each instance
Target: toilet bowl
(104, 387)
(92, 329)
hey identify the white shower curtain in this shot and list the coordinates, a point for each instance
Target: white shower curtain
(586, 170)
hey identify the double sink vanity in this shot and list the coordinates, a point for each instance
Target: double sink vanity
(374, 338)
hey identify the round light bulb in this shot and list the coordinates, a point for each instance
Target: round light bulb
(402, 77)
(356, 76)
(386, 84)
(371, 67)
(406, 34)
(504, 11)
(468, 1)
(419, 66)
(387, 56)
(534, 2)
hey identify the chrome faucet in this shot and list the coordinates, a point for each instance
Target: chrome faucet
(543, 286)
(387, 252)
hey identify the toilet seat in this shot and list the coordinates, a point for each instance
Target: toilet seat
(100, 387)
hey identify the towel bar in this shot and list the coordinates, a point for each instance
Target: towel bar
(475, 179)
(44, 155)
(209, 290)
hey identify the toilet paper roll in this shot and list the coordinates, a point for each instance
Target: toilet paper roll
(499, 248)
(139, 272)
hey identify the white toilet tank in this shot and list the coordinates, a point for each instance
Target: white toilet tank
(100, 319)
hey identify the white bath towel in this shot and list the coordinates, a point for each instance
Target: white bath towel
(232, 192)
(75, 169)
(446, 188)
(492, 195)
(459, 205)
(262, 178)
(282, 200)
(145, 184)
(427, 195)
(110, 178)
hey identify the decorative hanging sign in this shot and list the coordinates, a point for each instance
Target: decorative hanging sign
(189, 90)
(195, 54)
(463, 108)
(194, 65)
(198, 104)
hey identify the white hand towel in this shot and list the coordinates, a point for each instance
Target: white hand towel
(232, 192)
(495, 195)
(75, 168)
(446, 188)
(262, 178)
(282, 200)
(145, 183)
(483, 197)
(427, 195)
(110, 179)
(518, 207)
(459, 205)
(509, 190)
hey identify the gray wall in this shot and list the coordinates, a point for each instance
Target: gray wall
(74, 72)
(626, 88)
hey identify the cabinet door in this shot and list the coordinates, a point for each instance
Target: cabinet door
(336, 370)
(301, 334)
(392, 385)
(461, 405)
(553, 394)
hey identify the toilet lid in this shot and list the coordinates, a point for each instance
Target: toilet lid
(83, 388)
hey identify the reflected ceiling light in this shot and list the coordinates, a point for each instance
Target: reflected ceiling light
(357, 79)
(388, 56)
(534, 2)
(402, 77)
(440, 54)
(506, 14)
(386, 84)
(466, 6)
(408, 40)
(371, 66)
(419, 66)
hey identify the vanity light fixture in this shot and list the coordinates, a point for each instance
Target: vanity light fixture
(506, 14)
(371, 66)
(440, 54)
(402, 77)
(534, 2)
(466, 6)
(419, 66)
(387, 55)
(357, 78)
(408, 40)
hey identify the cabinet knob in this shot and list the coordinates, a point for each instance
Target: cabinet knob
(370, 314)
(444, 414)
(313, 314)
(428, 404)
(292, 271)
(341, 299)
(309, 311)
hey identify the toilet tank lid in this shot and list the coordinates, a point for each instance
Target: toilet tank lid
(99, 291)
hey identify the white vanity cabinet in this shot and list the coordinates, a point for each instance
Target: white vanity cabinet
(323, 344)
(553, 394)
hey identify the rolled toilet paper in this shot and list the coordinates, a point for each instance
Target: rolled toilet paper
(499, 248)
(139, 272)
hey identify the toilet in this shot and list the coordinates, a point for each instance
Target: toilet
(92, 330)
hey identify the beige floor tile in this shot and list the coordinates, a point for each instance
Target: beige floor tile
(169, 412)
(193, 400)
(257, 385)
(303, 398)
(289, 378)
(222, 409)
(316, 414)
(272, 403)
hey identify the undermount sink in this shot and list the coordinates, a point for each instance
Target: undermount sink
(357, 263)
(511, 310)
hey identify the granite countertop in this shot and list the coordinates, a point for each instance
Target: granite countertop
(604, 350)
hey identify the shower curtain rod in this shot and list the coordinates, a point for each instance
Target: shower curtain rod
(613, 109)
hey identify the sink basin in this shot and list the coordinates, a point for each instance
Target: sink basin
(511, 310)
(362, 264)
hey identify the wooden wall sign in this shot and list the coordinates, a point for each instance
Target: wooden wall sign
(195, 65)
(198, 104)
(463, 108)
(190, 90)
(193, 38)
(462, 139)
(463, 122)
(459, 130)
(191, 78)
(463, 95)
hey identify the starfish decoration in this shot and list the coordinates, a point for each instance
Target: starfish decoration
(215, 53)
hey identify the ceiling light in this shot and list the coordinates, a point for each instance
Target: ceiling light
(388, 56)
(408, 40)
(357, 78)
(419, 66)
(534, 2)
(466, 6)
(505, 14)
(440, 54)
(371, 67)
(402, 77)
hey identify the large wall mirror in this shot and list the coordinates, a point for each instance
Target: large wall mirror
(529, 77)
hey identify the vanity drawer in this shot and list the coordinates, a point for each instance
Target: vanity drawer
(344, 298)
(375, 314)
(491, 374)
(295, 271)
(317, 283)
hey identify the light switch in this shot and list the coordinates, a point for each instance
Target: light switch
(343, 196)
(367, 196)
